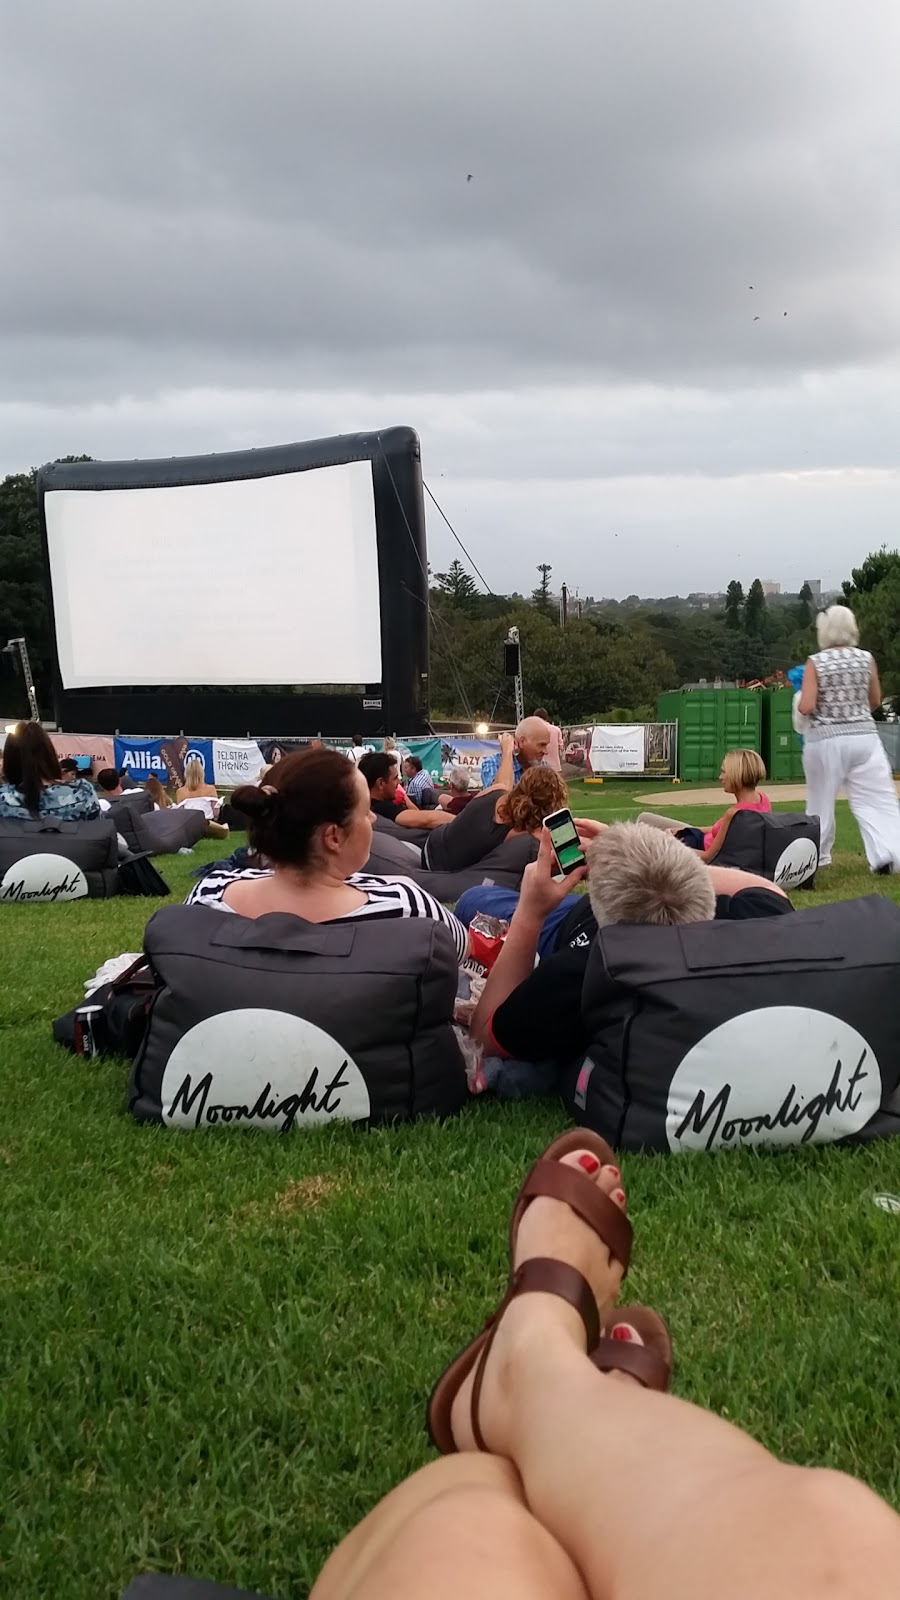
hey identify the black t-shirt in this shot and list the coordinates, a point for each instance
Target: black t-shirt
(468, 838)
(388, 808)
(541, 1020)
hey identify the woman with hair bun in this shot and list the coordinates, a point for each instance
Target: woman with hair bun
(311, 822)
(841, 748)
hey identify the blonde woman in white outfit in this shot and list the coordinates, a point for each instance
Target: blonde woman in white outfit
(841, 748)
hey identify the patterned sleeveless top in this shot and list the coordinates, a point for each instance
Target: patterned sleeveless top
(843, 703)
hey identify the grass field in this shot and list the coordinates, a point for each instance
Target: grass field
(216, 1349)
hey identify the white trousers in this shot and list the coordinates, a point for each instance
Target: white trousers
(857, 763)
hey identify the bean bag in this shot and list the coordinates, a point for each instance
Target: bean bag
(392, 830)
(779, 1031)
(231, 817)
(46, 860)
(781, 845)
(125, 812)
(502, 866)
(277, 1023)
(164, 832)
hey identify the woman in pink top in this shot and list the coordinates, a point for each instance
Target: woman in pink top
(741, 774)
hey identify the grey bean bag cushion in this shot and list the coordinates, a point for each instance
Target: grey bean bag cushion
(778, 1031)
(781, 845)
(125, 813)
(45, 860)
(164, 832)
(278, 1023)
(503, 866)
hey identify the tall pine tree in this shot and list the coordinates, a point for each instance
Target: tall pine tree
(540, 597)
(458, 585)
(734, 604)
(755, 610)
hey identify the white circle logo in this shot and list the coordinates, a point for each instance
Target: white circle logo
(888, 1202)
(44, 878)
(260, 1069)
(780, 1075)
(798, 862)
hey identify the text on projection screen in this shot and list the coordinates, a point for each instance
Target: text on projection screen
(263, 580)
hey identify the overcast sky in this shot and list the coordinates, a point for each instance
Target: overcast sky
(653, 341)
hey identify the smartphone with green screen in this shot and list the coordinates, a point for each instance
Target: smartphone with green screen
(565, 841)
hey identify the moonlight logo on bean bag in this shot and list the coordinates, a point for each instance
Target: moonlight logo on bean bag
(260, 1069)
(796, 864)
(43, 878)
(780, 1075)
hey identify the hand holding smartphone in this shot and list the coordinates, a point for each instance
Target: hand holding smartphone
(565, 841)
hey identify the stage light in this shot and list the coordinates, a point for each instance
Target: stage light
(482, 730)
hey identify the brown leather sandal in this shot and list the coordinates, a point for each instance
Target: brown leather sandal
(542, 1274)
(548, 1177)
(650, 1363)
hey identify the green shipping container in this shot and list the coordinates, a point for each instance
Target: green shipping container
(710, 722)
(780, 748)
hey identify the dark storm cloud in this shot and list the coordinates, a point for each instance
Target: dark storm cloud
(276, 195)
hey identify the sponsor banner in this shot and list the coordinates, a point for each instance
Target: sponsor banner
(618, 747)
(466, 752)
(236, 761)
(94, 750)
(659, 752)
(274, 750)
(630, 747)
(576, 744)
(163, 757)
(429, 752)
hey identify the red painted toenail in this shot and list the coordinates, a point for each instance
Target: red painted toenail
(621, 1332)
(615, 1172)
(619, 1195)
(589, 1162)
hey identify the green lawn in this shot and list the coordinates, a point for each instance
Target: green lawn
(216, 1348)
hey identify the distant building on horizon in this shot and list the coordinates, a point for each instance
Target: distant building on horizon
(815, 585)
(770, 587)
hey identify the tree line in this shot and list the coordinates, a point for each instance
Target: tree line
(611, 660)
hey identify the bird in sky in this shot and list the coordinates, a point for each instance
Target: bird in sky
(756, 319)
(469, 178)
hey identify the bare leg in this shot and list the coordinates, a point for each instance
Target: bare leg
(651, 1496)
(654, 820)
(457, 1528)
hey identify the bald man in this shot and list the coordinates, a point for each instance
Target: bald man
(527, 747)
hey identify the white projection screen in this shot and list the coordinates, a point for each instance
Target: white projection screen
(270, 590)
(272, 578)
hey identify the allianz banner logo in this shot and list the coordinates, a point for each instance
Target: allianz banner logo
(781, 1075)
(141, 761)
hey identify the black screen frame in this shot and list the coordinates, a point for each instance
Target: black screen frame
(399, 703)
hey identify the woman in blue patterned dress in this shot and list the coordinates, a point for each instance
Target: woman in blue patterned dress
(33, 783)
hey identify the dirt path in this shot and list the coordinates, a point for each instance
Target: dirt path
(678, 795)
